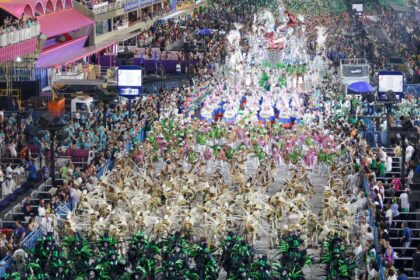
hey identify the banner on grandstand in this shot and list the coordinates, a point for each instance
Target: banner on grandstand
(138, 4)
(100, 5)
(353, 71)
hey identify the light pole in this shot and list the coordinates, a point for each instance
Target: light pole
(53, 124)
(186, 49)
(52, 163)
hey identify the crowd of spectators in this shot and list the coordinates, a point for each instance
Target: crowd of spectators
(149, 15)
(389, 204)
(404, 35)
(204, 53)
(106, 137)
(21, 166)
(13, 31)
(91, 3)
(144, 16)
(10, 25)
(108, 141)
(388, 200)
(113, 138)
(161, 34)
(348, 38)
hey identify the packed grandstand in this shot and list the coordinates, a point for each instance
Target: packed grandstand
(217, 139)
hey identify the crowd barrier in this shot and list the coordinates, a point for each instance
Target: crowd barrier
(374, 138)
(106, 6)
(109, 165)
(14, 37)
(374, 229)
(62, 210)
(27, 243)
(7, 200)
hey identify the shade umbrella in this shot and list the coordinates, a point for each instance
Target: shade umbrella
(361, 87)
(205, 32)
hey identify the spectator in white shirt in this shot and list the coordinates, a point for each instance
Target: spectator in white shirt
(391, 274)
(8, 186)
(9, 169)
(382, 155)
(381, 189)
(352, 181)
(363, 226)
(48, 223)
(384, 125)
(388, 214)
(12, 149)
(1, 176)
(388, 164)
(369, 235)
(41, 209)
(359, 255)
(409, 151)
(410, 176)
(405, 204)
(361, 201)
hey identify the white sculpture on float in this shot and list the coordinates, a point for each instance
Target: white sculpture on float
(321, 37)
(266, 40)
(234, 39)
(265, 21)
(294, 51)
(273, 38)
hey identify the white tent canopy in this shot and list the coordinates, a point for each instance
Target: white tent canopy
(172, 15)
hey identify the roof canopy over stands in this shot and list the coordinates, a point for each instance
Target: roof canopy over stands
(18, 8)
(70, 20)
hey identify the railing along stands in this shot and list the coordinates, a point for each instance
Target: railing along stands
(374, 228)
(27, 243)
(16, 36)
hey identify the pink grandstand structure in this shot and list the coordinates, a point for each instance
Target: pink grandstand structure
(63, 29)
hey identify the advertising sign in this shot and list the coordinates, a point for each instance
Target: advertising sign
(355, 70)
(129, 81)
(391, 80)
(138, 4)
